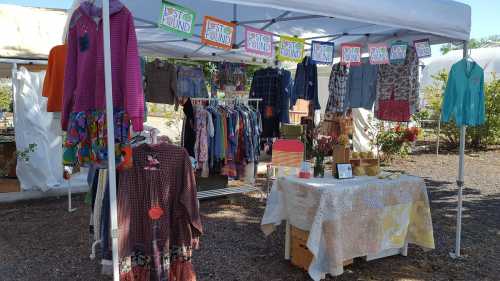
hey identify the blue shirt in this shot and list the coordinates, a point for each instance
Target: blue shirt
(464, 95)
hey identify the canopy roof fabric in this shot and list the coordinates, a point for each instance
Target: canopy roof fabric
(29, 32)
(369, 21)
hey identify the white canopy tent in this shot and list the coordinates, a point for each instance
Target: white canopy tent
(339, 20)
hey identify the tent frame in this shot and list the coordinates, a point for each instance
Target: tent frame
(111, 147)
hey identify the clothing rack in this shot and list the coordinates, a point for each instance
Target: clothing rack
(237, 99)
(235, 186)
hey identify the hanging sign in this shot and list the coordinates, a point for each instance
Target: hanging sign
(218, 33)
(322, 52)
(291, 49)
(258, 42)
(379, 53)
(398, 52)
(177, 19)
(423, 48)
(351, 54)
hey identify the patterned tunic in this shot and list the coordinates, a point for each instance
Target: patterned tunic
(158, 215)
(338, 87)
(398, 89)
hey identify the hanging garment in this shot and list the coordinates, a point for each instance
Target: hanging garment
(84, 100)
(189, 132)
(362, 86)
(161, 82)
(191, 82)
(464, 100)
(338, 87)
(84, 74)
(287, 88)
(53, 87)
(158, 215)
(306, 83)
(267, 85)
(398, 89)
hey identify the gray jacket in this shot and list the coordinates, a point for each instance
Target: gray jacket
(362, 88)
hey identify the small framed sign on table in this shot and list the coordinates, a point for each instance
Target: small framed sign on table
(344, 171)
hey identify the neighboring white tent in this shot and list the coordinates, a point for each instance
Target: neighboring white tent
(29, 32)
(488, 58)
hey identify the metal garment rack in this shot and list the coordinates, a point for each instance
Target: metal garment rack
(236, 99)
(241, 188)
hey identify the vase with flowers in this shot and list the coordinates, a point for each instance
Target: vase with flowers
(322, 147)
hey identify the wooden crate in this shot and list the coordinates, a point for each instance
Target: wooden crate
(300, 255)
(9, 185)
(365, 164)
(341, 155)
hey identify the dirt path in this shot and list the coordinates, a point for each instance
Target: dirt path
(41, 241)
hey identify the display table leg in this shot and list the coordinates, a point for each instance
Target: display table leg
(287, 241)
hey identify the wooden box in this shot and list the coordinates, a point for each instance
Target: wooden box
(8, 158)
(300, 255)
(369, 167)
(341, 155)
(9, 185)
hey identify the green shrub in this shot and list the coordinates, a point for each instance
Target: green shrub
(477, 137)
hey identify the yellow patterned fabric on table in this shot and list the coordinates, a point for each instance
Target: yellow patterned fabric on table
(351, 218)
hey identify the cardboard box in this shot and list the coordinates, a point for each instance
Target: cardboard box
(300, 255)
(9, 185)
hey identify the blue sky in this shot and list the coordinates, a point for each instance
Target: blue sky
(485, 18)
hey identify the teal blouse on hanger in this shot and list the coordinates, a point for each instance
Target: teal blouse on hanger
(464, 95)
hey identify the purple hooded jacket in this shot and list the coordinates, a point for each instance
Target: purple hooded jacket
(84, 75)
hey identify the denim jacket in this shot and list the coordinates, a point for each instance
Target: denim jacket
(362, 86)
(306, 83)
(191, 82)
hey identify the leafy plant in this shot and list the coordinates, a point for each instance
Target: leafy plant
(22, 155)
(477, 137)
(5, 98)
(396, 141)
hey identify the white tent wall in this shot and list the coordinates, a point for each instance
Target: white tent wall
(34, 125)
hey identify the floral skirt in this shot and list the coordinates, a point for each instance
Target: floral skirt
(173, 266)
(86, 139)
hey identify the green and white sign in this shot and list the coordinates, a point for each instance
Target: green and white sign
(177, 19)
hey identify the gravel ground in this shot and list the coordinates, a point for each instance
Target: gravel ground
(40, 240)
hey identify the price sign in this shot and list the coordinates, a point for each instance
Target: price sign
(379, 53)
(398, 52)
(322, 52)
(177, 19)
(351, 54)
(423, 48)
(218, 33)
(291, 49)
(258, 42)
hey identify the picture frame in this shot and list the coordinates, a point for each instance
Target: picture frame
(344, 171)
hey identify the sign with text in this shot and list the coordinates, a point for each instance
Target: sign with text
(291, 49)
(177, 19)
(398, 52)
(423, 48)
(351, 54)
(218, 33)
(322, 52)
(379, 53)
(258, 42)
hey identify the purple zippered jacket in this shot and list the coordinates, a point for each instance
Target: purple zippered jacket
(84, 75)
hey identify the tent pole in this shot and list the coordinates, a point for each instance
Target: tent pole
(111, 137)
(460, 181)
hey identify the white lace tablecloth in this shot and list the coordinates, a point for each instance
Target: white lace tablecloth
(352, 217)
